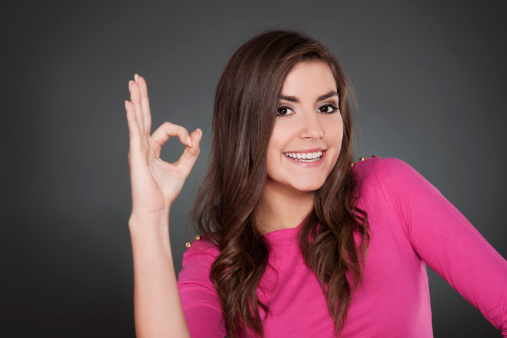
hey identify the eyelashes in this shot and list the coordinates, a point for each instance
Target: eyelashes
(284, 111)
(328, 109)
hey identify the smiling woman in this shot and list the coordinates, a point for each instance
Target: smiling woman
(263, 190)
(296, 239)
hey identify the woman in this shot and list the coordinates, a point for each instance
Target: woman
(297, 239)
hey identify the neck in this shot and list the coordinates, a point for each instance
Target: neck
(282, 207)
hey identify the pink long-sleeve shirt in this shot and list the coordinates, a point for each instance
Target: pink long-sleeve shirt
(411, 224)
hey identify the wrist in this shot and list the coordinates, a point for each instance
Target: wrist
(146, 221)
(149, 234)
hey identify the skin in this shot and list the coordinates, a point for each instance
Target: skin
(307, 122)
(286, 199)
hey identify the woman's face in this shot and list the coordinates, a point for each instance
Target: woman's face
(308, 131)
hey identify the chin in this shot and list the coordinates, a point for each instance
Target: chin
(309, 186)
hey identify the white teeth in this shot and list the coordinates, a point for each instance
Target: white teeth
(305, 157)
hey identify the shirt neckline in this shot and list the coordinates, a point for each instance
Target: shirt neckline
(283, 232)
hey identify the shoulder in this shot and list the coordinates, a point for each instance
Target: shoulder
(376, 168)
(390, 175)
(197, 260)
(393, 179)
(201, 247)
(200, 251)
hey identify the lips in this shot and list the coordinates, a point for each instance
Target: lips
(305, 156)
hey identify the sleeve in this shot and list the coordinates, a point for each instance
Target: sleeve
(199, 298)
(445, 240)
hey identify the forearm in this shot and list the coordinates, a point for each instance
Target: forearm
(158, 310)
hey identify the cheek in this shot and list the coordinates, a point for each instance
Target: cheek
(279, 139)
(274, 151)
(271, 161)
(334, 137)
(333, 129)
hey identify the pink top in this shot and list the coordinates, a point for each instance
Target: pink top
(411, 224)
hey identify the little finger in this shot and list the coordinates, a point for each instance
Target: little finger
(135, 98)
(145, 103)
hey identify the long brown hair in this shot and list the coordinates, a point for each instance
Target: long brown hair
(244, 115)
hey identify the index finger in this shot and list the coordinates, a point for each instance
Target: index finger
(167, 130)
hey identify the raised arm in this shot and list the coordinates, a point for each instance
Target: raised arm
(155, 186)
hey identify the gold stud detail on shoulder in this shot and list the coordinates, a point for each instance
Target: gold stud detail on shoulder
(188, 244)
(374, 156)
(197, 237)
(362, 158)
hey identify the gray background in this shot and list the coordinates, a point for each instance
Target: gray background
(430, 80)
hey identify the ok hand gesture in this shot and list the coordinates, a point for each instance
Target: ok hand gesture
(155, 183)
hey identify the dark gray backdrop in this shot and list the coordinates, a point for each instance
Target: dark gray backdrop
(430, 79)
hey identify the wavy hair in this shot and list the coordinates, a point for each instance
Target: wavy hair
(244, 114)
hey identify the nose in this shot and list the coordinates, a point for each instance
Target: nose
(311, 127)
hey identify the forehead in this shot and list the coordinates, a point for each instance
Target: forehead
(309, 77)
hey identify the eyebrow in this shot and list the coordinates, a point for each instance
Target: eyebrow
(320, 98)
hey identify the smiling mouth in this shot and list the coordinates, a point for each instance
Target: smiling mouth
(305, 157)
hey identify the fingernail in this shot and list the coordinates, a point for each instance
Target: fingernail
(200, 131)
(136, 76)
(189, 141)
(130, 85)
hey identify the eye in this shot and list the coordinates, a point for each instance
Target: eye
(284, 111)
(328, 109)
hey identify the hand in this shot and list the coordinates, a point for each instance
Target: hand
(155, 183)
